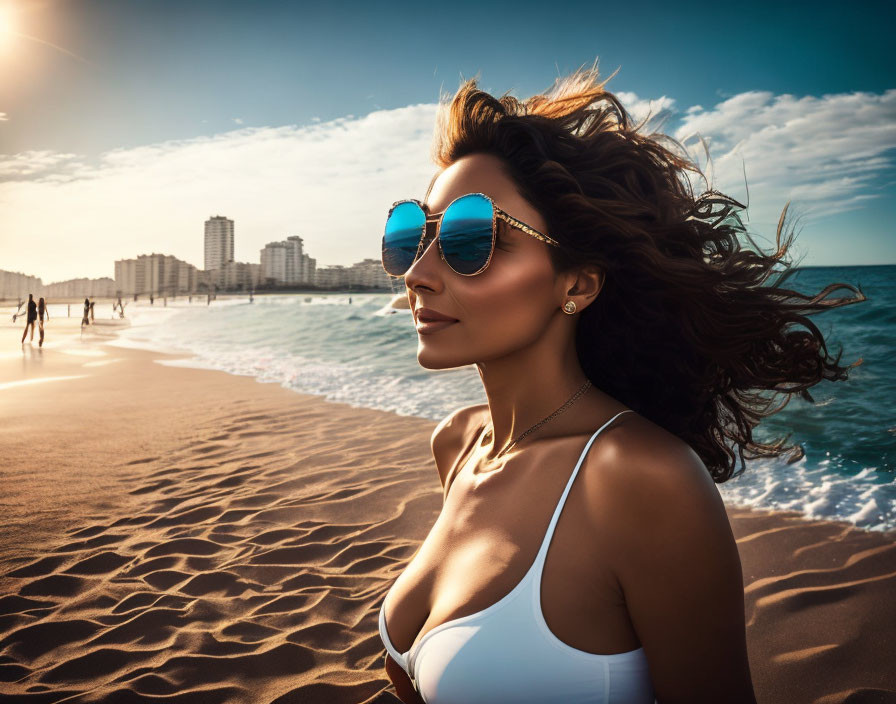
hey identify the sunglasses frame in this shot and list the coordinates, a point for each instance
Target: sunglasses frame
(437, 218)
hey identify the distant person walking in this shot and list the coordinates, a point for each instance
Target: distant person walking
(151, 299)
(85, 319)
(42, 311)
(92, 319)
(32, 318)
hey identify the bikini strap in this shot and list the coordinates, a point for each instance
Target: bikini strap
(542, 552)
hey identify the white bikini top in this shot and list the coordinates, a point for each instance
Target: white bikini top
(506, 652)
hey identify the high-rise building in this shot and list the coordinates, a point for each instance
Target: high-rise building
(368, 273)
(16, 285)
(158, 274)
(286, 262)
(235, 276)
(218, 242)
(77, 288)
(273, 262)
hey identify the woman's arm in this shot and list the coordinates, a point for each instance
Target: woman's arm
(403, 687)
(679, 569)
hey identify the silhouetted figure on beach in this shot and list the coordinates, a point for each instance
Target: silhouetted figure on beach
(251, 297)
(92, 319)
(208, 300)
(120, 307)
(85, 319)
(151, 299)
(41, 312)
(349, 300)
(32, 318)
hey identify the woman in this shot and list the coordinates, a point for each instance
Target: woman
(583, 552)
(41, 312)
(85, 319)
(31, 311)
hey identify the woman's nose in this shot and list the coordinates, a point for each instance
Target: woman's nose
(424, 265)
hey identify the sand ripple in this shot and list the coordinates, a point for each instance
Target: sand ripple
(236, 540)
(238, 568)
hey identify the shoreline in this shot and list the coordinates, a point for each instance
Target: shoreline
(818, 486)
(174, 529)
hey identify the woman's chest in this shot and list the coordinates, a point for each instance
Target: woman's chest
(486, 540)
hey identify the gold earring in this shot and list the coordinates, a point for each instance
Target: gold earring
(569, 307)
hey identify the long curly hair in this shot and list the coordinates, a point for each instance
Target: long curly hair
(685, 330)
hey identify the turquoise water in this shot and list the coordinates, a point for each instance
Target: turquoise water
(362, 355)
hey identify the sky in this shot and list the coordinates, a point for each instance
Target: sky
(125, 124)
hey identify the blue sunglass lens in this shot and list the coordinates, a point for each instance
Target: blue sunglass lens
(404, 228)
(466, 233)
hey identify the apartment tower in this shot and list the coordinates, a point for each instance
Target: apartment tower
(218, 242)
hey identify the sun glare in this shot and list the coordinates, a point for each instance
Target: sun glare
(6, 27)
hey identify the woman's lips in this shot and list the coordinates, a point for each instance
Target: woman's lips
(429, 320)
(429, 326)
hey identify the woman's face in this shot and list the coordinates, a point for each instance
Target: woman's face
(502, 309)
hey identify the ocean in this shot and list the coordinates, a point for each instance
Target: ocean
(364, 354)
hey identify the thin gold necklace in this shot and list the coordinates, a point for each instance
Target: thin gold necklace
(572, 400)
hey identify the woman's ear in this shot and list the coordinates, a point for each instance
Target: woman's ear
(586, 284)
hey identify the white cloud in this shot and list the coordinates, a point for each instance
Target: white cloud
(330, 182)
(656, 111)
(38, 163)
(238, 120)
(825, 153)
(62, 216)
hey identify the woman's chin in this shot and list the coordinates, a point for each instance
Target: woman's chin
(429, 359)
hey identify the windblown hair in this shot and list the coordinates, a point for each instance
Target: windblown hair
(684, 330)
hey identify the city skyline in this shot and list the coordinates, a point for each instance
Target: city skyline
(303, 122)
(280, 263)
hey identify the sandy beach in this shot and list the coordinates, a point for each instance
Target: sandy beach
(186, 535)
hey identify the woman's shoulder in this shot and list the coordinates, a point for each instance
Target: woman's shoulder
(453, 426)
(454, 432)
(640, 469)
